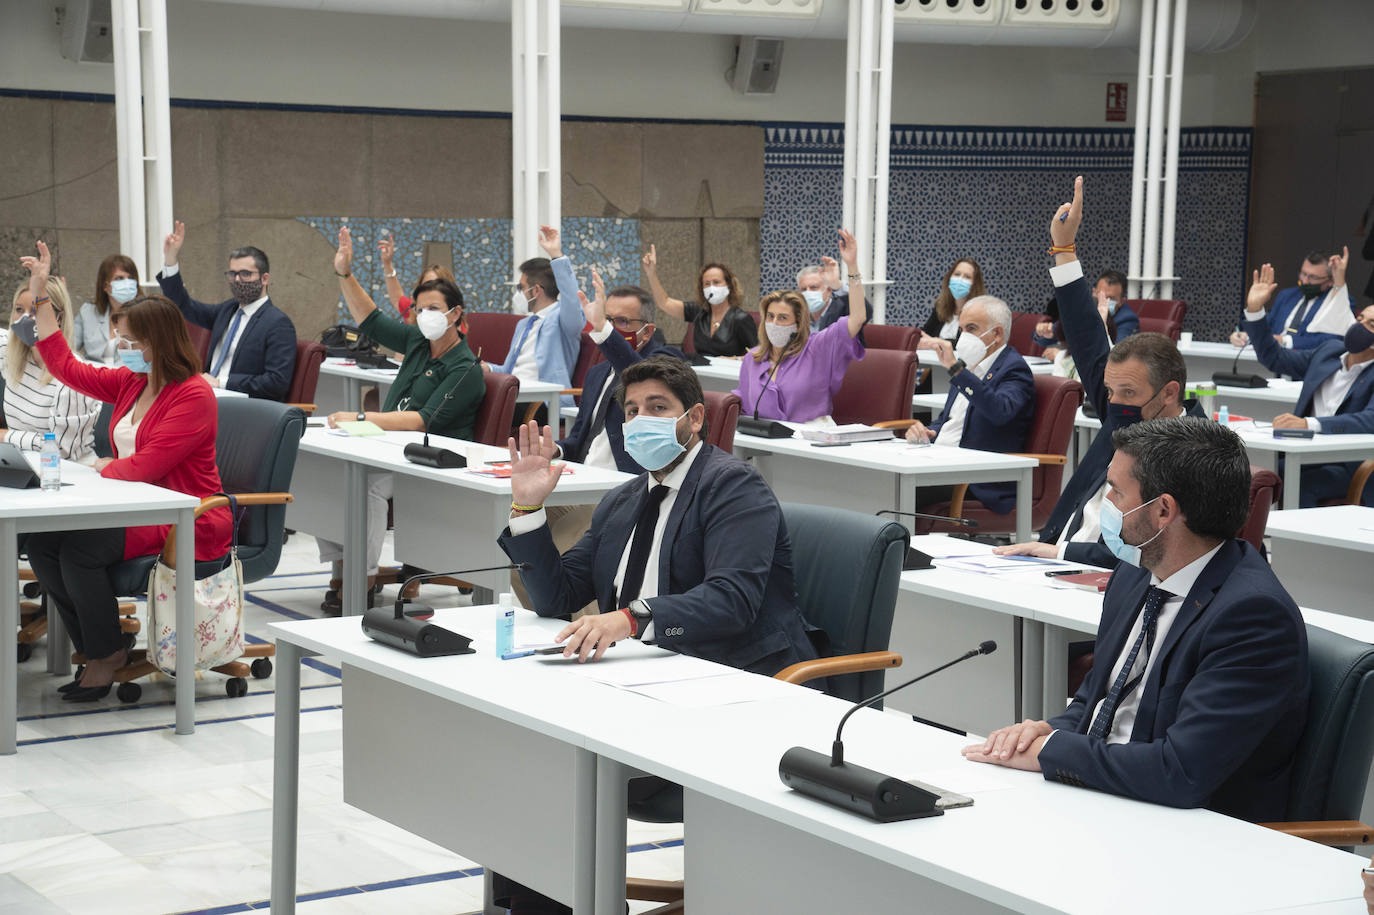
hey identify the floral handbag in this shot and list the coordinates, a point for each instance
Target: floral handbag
(219, 611)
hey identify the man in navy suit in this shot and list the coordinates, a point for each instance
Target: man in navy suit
(1119, 318)
(827, 295)
(1337, 392)
(1142, 377)
(991, 398)
(1315, 311)
(1197, 695)
(252, 343)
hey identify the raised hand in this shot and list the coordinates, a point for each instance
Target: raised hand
(39, 268)
(1262, 288)
(595, 308)
(533, 472)
(344, 256)
(830, 272)
(1338, 264)
(1045, 329)
(1064, 224)
(849, 251)
(171, 245)
(551, 240)
(650, 260)
(386, 248)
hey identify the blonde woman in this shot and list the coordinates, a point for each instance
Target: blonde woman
(794, 374)
(35, 402)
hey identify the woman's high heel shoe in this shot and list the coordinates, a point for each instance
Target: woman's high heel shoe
(76, 681)
(87, 693)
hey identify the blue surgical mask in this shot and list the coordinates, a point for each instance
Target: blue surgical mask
(123, 290)
(132, 359)
(814, 298)
(1110, 521)
(1111, 307)
(652, 441)
(959, 287)
(26, 330)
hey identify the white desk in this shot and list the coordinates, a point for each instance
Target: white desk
(88, 501)
(1204, 359)
(342, 381)
(444, 519)
(737, 810)
(1322, 556)
(872, 476)
(721, 375)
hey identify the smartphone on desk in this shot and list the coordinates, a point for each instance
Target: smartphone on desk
(830, 444)
(1293, 433)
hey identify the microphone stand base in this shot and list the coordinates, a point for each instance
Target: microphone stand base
(870, 794)
(414, 636)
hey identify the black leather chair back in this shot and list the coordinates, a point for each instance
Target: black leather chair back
(847, 566)
(1333, 759)
(255, 450)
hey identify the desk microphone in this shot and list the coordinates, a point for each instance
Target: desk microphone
(763, 428)
(863, 791)
(1235, 378)
(915, 559)
(431, 455)
(408, 629)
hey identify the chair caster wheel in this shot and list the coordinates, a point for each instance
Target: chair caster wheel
(261, 668)
(24, 651)
(129, 692)
(235, 687)
(32, 589)
(130, 639)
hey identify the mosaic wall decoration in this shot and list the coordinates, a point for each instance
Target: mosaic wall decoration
(987, 193)
(481, 253)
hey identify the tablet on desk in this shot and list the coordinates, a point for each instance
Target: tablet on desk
(15, 472)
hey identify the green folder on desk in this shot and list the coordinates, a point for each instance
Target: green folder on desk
(361, 428)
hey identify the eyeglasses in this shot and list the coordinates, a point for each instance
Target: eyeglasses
(628, 323)
(1306, 277)
(232, 275)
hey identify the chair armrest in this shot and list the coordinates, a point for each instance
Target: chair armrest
(575, 392)
(956, 501)
(169, 548)
(1042, 458)
(307, 408)
(644, 889)
(895, 424)
(1354, 495)
(803, 671)
(1327, 832)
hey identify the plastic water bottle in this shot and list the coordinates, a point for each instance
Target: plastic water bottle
(50, 462)
(1224, 415)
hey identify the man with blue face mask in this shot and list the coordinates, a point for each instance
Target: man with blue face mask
(1140, 378)
(1197, 695)
(827, 294)
(692, 556)
(1337, 394)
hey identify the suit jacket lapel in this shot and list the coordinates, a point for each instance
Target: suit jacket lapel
(1194, 603)
(1112, 642)
(685, 495)
(615, 540)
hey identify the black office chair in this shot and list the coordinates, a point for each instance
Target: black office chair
(255, 451)
(1334, 755)
(847, 566)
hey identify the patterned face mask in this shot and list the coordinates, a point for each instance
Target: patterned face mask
(246, 292)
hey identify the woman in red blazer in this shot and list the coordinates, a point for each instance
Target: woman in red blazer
(163, 430)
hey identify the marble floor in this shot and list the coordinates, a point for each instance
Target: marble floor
(104, 810)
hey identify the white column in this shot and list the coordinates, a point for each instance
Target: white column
(157, 132)
(129, 131)
(1142, 118)
(1154, 164)
(867, 140)
(536, 113)
(1166, 271)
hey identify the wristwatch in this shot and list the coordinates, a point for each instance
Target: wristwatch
(957, 367)
(642, 614)
(362, 416)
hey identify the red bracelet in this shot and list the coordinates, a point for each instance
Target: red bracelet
(634, 623)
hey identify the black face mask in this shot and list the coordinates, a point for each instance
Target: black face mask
(1123, 415)
(1310, 290)
(1358, 338)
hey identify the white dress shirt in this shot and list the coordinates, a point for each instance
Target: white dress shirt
(1332, 392)
(526, 367)
(523, 524)
(952, 432)
(599, 453)
(1178, 585)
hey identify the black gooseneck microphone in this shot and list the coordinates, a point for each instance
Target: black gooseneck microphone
(1235, 378)
(431, 455)
(763, 428)
(863, 791)
(916, 560)
(409, 630)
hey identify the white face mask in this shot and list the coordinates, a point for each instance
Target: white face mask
(714, 295)
(971, 348)
(433, 324)
(779, 334)
(520, 303)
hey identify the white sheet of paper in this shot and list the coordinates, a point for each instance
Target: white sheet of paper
(709, 692)
(971, 778)
(940, 546)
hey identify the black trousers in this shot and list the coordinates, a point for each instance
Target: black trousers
(74, 569)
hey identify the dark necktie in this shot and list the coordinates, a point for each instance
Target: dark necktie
(642, 543)
(599, 417)
(228, 342)
(1295, 324)
(1102, 724)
